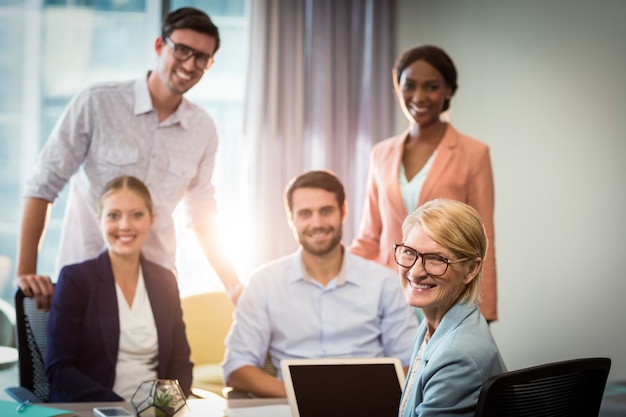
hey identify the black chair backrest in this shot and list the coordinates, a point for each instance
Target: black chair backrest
(567, 388)
(32, 341)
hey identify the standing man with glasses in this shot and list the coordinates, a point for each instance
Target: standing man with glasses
(319, 302)
(144, 128)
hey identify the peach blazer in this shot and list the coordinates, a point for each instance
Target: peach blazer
(461, 171)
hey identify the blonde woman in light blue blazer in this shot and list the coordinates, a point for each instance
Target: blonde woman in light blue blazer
(440, 262)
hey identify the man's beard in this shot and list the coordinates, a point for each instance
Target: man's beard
(321, 251)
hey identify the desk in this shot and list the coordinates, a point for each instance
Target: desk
(213, 406)
(239, 399)
(613, 406)
(86, 409)
(8, 356)
(614, 401)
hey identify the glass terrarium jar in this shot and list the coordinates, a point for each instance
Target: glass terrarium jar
(158, 398)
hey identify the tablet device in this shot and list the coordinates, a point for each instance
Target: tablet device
(112, 412)
(343, 387)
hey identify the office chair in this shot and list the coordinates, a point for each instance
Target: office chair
(207, 317)
(32, 340)
(561, 389)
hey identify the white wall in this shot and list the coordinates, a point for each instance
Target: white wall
(542, 83)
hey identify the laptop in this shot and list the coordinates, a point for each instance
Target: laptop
(343, 387)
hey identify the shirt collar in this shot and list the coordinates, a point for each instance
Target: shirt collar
(143, 101)
(143, 104)
(299, 273)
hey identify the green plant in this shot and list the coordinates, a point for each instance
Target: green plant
(164, 403)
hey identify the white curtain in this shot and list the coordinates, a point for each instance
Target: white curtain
(319, 95)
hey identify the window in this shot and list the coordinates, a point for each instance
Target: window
(221, 93)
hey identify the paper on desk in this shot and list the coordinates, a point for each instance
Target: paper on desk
(9, 409)
(275, 410)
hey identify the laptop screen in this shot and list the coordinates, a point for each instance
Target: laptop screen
(343, 387)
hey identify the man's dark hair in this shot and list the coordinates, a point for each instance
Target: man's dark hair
(315, 179)
(190, 18)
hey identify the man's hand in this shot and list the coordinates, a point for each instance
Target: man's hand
(38, 286)
(34, 220)
(234, 293)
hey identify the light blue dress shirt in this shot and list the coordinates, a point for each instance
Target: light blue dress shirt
(282, 313)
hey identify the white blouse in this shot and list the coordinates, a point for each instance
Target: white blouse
(411, 189)
(137, 357)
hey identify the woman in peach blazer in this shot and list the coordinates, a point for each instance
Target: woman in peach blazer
(452, 165)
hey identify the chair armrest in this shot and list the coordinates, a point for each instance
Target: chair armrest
(22, 394)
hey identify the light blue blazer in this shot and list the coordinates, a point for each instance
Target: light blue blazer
(457, 360)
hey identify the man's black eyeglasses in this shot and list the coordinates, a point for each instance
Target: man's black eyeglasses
(183, 53)
(433, 264)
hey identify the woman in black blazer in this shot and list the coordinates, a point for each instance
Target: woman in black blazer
(116, 320)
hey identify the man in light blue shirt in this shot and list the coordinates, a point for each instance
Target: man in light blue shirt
(320, 301)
